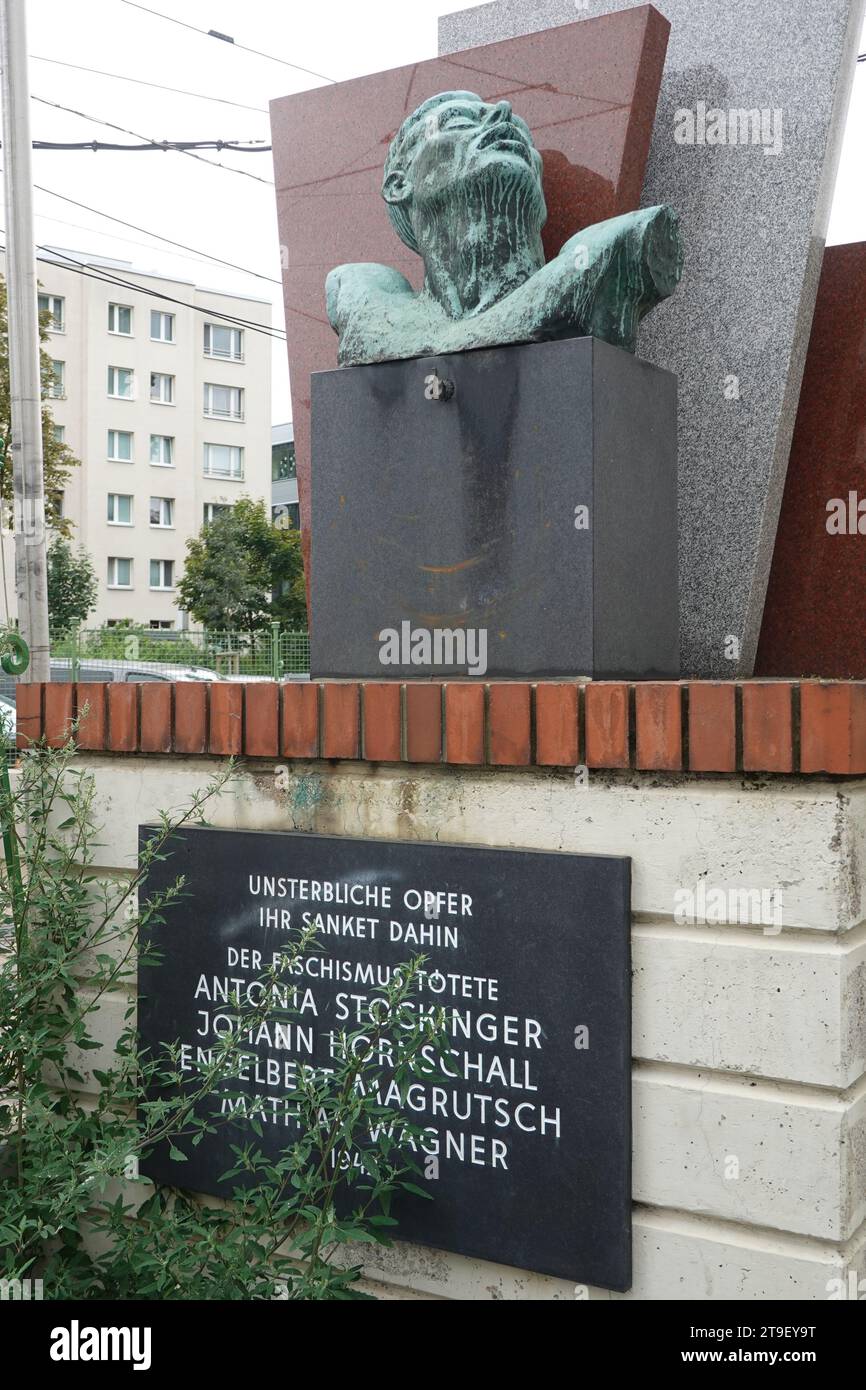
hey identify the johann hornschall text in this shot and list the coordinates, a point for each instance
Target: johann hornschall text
(490, 1094)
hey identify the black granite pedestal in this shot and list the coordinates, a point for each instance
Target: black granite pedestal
(510, 512)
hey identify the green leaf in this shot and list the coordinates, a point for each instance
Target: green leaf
(417, 1191)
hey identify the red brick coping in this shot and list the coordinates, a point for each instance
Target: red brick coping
(671, 726)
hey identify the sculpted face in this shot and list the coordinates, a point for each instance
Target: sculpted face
(456, 145)
(462, 184)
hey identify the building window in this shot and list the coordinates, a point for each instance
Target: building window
(286, 516)
(162, 388)
(162, 450)
(214, 509)
(221, 341)
(55, 506)
(162, 574)
(282, 461)
(121, 383)
(120, 446)
(119, 509)
(162, 511)
(119, 572)
(59, 434)
(223, 402)
(57, 388)
(161, 326)
(120, 319)
(54, 305)
(223, 461)
(161, 625)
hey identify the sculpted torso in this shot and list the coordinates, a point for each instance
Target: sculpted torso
(463, 188)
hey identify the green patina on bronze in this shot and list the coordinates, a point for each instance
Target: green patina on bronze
(463, 187)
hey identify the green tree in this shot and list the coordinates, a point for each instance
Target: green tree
(72, 588)
(242, 572)
(74, 1211)
(58, 460)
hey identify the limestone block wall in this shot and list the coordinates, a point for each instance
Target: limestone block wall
(749, 1036)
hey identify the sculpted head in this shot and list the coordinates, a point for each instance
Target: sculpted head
(456, 154)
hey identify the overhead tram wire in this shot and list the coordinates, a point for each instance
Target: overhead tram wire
(116, 236)
(141, 82)
(224, 38)
(195, 253)
(124, 130)
(133, 226)
(156, 146)
(88, 270)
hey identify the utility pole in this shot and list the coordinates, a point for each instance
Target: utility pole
(24, 377)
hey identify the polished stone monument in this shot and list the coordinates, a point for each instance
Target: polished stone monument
(588, 92)
(814, 618)
(520, 523)
(746, 141)
(505, 512)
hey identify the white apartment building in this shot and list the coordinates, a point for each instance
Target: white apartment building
(167, 404)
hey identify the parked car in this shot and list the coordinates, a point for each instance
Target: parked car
(95, 669)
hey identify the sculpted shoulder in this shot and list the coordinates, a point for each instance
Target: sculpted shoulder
(349, 288)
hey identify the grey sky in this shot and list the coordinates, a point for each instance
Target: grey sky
(227, 214)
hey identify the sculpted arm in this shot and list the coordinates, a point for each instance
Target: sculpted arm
(623, 268)
(351, 291)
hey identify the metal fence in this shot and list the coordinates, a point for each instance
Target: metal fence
(125, 652)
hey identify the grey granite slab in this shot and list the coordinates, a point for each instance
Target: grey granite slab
(531, 516)
(754, 218)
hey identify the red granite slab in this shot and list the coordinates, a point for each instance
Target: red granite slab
(814, 620)
(588, 91)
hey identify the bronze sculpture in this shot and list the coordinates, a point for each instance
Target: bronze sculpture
(462, 183)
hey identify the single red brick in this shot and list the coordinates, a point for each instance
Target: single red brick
(262, 719)
(190, 716)
(122, 717)
(226, 718)
(300, 722)
(92, 725)
(382, 722)
(712, 726)
(510, 721)
(767, 727)
(341, 727)
(423, 722)
(658, 726)
(58, 712)
(832, 727)
(464, 724)
(156, 717)
(28, 713)
(606, 719)
(556, 725)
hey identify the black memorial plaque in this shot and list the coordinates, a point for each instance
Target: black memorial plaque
(529, 957)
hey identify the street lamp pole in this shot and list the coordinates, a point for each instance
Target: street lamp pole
(23, 335)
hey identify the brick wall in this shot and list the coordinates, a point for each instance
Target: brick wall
(784, 727)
